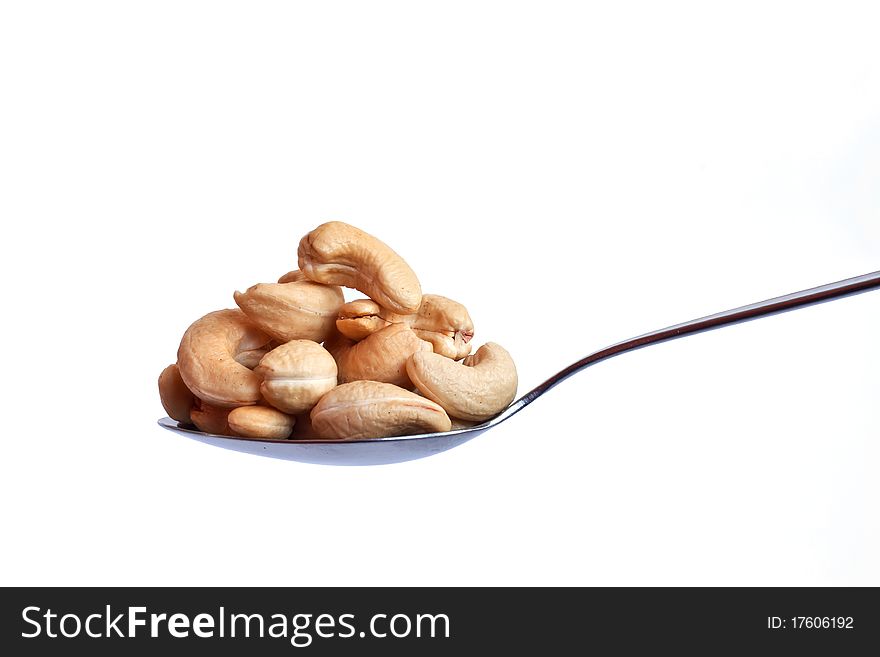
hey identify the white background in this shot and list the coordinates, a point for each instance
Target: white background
(575, 174)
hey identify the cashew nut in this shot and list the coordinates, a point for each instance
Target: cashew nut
(260, 422)
(293, 277)
(177, 399)
(206, 358)
(379, 357)
(368, 409)
(259, 370)
(252, 357)
(445, 323)
(296, 375)
(360, 318)
(210, 418)
(302, 310)
(339, 254)
(478, 388)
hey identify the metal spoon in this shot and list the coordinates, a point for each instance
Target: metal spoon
(377, 451)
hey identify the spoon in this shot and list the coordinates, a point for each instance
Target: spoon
(396, 449)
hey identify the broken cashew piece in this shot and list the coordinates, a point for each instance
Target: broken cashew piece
(301, 310)
(380, 357)
(337, 253)
(296, 375)
(207, 355)
(445, 323)
(369, 409)
(476, 389)
(260, 422)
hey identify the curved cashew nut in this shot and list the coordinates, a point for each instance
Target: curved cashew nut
(292, 311)
(445, 323)
(206, 359)
(210, 418)
(369, 409)
(260, 422)
(380, 357)
(177, 399)
(337, 253)
(296, 375)
(476, 389)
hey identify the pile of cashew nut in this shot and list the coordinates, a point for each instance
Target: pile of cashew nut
(295, 361)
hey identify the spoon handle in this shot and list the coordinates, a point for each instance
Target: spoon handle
(782, 304)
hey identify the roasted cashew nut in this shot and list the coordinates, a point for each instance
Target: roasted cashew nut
(301, 310)
(296, 375)
(380, 357)
(260, 422)
(476, 389)
(207, 359)
(177, 399)
(336, 253)
(445, 323)
(368, 409)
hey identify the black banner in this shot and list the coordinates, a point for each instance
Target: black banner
(436, 621)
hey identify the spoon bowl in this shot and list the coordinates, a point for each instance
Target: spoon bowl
(372, 451)
(396, 449)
